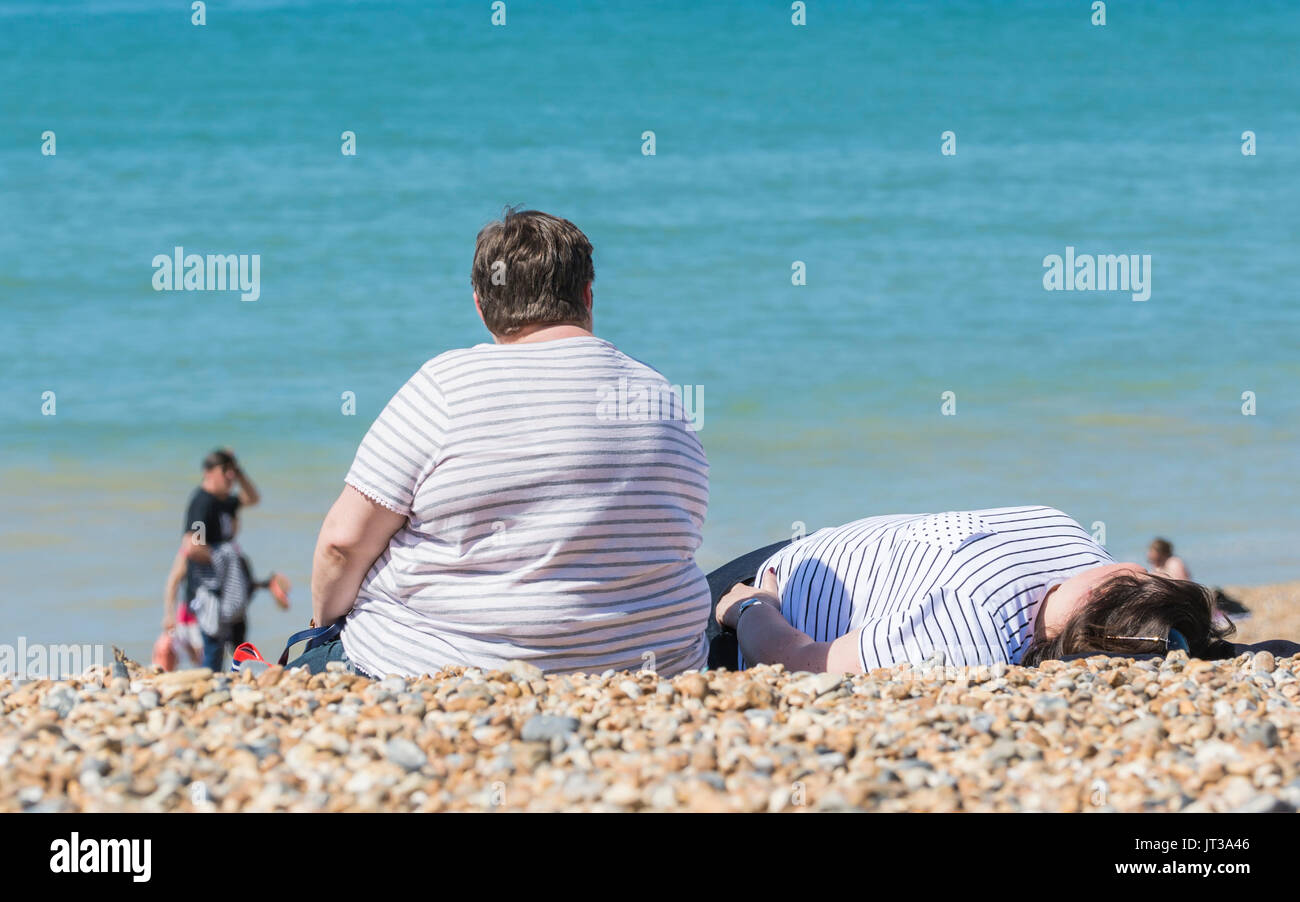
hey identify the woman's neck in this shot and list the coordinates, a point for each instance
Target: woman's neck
(542, 332)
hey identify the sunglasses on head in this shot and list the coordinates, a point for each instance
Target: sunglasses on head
(1174, 640)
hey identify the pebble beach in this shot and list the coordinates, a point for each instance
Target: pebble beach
(1101, 734)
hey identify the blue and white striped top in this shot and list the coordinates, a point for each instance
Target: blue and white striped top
(967, 583)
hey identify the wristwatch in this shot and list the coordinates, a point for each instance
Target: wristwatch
(745, 606)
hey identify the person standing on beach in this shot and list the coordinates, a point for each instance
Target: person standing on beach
(210, 520)
(505, 505)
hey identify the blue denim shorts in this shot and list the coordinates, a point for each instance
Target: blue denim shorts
(316, 659)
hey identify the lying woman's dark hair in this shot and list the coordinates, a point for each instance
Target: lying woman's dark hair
(1136, 606)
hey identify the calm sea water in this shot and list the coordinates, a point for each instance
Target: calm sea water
(775, 144)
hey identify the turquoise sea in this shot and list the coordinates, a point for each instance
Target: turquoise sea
(774, 143)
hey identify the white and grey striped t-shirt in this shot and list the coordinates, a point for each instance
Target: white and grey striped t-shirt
(552, 516)
(968, 583)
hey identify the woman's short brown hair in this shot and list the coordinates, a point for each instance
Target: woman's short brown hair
(1133, 605)
(531, 268)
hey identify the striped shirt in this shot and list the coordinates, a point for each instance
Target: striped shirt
(967, 583)
(553, 512)
(223, 592)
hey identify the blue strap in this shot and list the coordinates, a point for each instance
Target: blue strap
(316, 636)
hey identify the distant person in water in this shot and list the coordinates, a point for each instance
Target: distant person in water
(210, 519)
(502, 506)
(1014, 585)
(1160, 557)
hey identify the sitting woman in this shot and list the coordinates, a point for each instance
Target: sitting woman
(1012, 585)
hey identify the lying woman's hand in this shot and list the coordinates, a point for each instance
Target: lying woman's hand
(729, 604)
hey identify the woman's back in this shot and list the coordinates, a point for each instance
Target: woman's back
(555, 497)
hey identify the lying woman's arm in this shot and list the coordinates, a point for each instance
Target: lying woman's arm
(766, 638)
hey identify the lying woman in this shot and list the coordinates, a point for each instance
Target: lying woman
(1016, 585)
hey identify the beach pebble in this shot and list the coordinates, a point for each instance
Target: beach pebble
(824, 683)
(1144, 728)
(246, 698)
(405, 754)
(523, 671)
(1264, 804)
(544, 727)
(622, 794)
(1217, 752)
(1263, 732)
(693, 685)
(318, 737)
(60, 700)
(1000, 753)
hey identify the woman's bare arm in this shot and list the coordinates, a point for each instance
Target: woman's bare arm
(355, 533)
(174, 578)
(766, 637)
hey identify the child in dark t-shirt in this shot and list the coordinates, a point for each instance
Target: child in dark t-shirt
(222, 597)
(211, 520)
